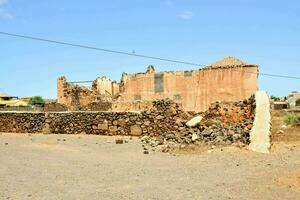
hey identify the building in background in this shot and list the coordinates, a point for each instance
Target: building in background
(294, 99)
(10, 101)
(229, 79)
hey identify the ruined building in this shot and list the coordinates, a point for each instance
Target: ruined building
(229, 79)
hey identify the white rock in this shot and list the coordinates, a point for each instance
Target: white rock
(261, 131)
(284, 126)
(194, 121)
(194, 137)
(280, 132)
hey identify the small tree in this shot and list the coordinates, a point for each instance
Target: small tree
(275, 98)
(36, 100)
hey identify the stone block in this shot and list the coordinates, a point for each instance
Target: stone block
(135, 130)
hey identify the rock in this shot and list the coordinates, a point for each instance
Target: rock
(235, 137)
(103, 126)
(160, 117)
(284, 126)
(145, 138)
(135, 130)
(206, 132)
(119, 141)
(113, 129)
(194, 137)
(170, 136)
(95, 127)
(146, 152)
(280, 132)
(160, 140)
(46, 129)
(122, 122)
(153, 143)
(194, 121)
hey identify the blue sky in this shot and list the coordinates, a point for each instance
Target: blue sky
(264, 32)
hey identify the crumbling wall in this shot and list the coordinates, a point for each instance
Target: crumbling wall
(195, 90)
(106, 87)
(55, 107)
(131, 106)
(76, 97)
(72, 95)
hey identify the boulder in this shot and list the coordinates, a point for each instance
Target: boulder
(194, 137)
(135, 130)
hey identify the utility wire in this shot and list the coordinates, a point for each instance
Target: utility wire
(100, 49)
(130, 54)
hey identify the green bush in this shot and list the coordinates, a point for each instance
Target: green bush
(36, 100)
(291, 118)
(275, 98)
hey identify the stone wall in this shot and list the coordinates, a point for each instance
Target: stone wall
(153, 122)
(195, 90)
(22, 122)
(165, 122)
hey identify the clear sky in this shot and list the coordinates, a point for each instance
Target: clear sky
(264, 32)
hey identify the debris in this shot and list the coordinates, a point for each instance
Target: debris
(194, 121)
(146, 152)
(194, 137)
(119, 141)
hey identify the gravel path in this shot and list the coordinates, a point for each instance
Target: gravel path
(94, 167)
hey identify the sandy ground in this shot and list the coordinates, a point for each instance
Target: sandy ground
(94, 167)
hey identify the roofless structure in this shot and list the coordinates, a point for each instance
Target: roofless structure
(229, 79)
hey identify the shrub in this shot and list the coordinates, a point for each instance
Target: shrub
(275, 98)
(36, 100)
(291, 118)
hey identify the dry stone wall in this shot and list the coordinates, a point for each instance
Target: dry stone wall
(21, 122)
(163, 124)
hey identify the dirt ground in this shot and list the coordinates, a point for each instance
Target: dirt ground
(94, 167)
(283, 133)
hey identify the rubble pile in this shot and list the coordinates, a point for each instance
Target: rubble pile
(225, 123)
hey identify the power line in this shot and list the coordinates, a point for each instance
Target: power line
(131, 54)
(101, 49)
